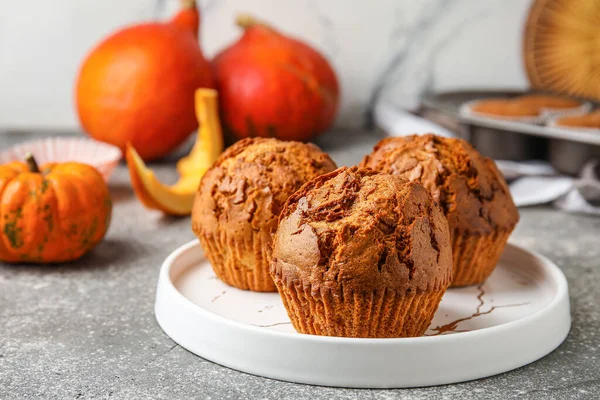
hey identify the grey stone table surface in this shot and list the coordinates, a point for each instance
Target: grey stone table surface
(87, 329)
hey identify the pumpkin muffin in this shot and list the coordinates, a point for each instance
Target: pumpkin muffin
(239, 200)
(505, 108)
(548, 101)
(585, 121)
(361, 254)
(472, 192)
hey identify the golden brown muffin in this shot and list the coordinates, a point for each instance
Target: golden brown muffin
(239, 200)
(361, 254)
(590, 121)
(472, 192)
(547, 101)
(505, 108)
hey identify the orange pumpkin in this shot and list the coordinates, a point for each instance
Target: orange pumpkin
(51, 214)
(138, 85)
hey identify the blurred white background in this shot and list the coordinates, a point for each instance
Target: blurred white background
(385, 49)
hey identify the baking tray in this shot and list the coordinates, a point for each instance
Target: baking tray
(566, 150)
(520, 314)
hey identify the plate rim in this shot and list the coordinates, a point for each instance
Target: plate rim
(561, 292)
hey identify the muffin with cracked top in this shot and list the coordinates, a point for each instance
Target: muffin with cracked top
(239, 200)
(472, 192)
(358, 253)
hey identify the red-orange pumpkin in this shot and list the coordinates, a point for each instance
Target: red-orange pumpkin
(272, 85)
(51, 214)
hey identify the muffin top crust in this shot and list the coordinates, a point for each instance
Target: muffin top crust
(590, 120)
(357, 230)
(548, 101)
(468, 186)
(246, 188)
(506, 108)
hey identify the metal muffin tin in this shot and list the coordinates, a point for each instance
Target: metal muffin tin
(567, 150)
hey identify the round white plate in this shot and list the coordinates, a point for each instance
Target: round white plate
(519, 315)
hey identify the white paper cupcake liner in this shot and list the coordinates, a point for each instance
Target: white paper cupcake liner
(102, 156)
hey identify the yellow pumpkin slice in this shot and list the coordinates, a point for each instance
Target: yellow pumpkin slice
(179, 198)
(209, 143)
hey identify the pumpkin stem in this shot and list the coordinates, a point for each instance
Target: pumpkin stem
(31, 163)
(188, 17)
(185, 4)
(246, 21)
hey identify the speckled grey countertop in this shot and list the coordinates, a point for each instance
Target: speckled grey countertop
(87, 330)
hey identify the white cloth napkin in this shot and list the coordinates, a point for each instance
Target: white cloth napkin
(531, 182)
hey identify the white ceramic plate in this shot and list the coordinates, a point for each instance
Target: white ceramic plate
(518, 316)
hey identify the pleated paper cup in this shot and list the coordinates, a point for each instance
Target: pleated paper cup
(240, 262)
(359, 314)
(102, 156)
(475, 257)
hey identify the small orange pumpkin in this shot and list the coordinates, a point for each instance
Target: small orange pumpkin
(51, 214)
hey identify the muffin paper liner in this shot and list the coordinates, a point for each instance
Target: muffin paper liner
(475, 257)
(364, 314)
(243, 264)
(102, 156)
